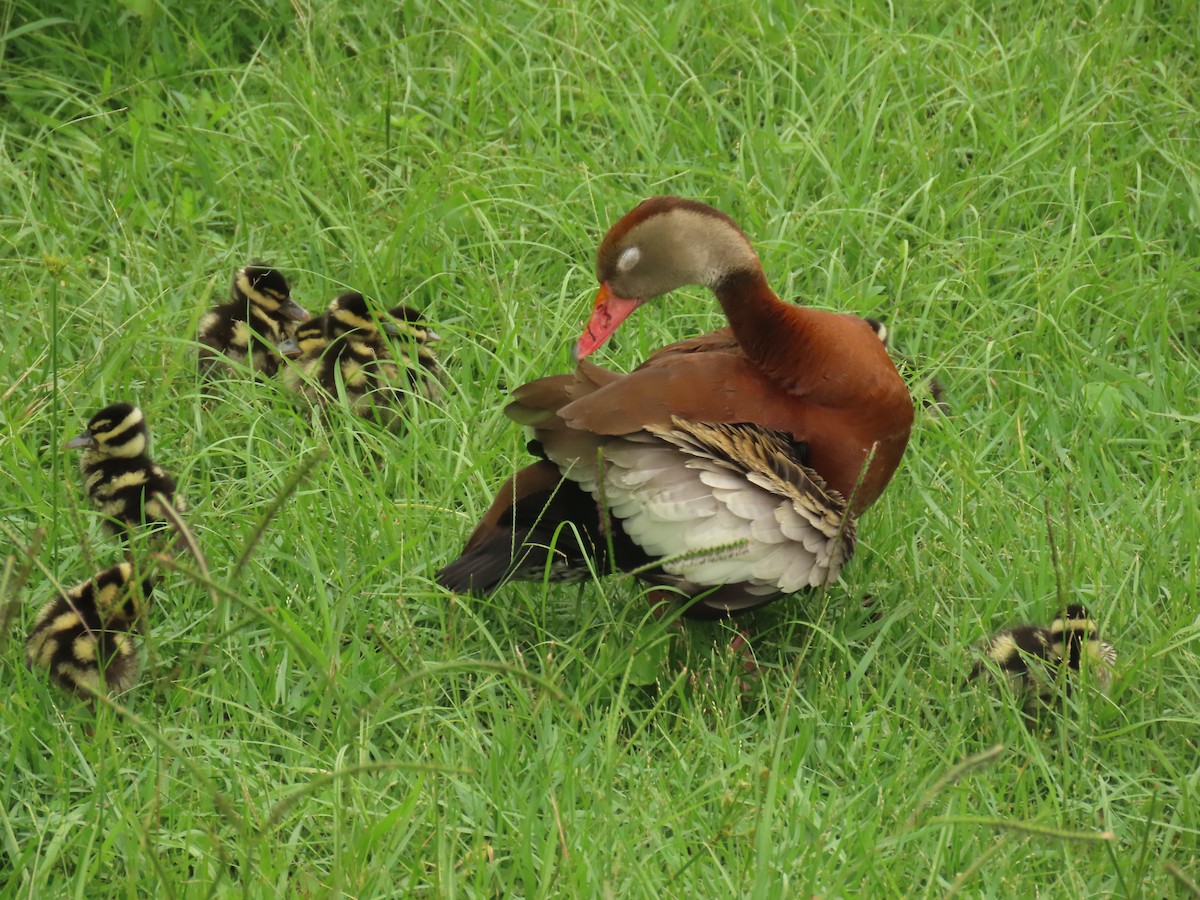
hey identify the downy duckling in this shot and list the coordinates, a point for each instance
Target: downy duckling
(250, 326)
(1022, 655)
(372, 361)
(1033, 658)
(84, 637)
(1073, 637)
(306, 341)
(119, 476)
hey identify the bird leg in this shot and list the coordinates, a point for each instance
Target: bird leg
(662, 604)
(741, 646)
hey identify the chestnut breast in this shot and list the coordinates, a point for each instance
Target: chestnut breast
(857, 400)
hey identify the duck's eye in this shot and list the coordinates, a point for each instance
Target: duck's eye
(628, 259)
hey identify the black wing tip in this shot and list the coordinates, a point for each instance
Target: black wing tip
(455, 578)
(471, 573)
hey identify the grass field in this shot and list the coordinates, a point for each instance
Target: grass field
(1015, 190)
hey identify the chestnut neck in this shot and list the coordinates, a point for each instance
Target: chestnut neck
(781, 339)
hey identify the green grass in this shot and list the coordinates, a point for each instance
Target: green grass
(1016, 190)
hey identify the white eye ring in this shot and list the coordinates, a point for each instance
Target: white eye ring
(628, 259)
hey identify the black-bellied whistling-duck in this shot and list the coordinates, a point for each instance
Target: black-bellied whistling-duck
(731, 466)
(375, 359)
(1033, 659)
(258, 315)
(119, 476)
(84, 637)
(934, 399)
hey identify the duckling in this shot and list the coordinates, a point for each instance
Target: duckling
(307, 340)
(1073, 636)
(1033, 658)
(119, 476)
(252, 323)
(84, 636)
(353, 358)
(409, 332)
(1022, 654)
(935, 400)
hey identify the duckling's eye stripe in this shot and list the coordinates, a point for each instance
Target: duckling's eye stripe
(128, 422)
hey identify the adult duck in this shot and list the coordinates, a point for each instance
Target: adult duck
(729, 467)
(932, 394)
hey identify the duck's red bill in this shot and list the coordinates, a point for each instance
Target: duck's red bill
(607, 315)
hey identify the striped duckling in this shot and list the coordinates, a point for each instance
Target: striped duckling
(307, 340)
(1020, 655)
(119, 476)
(373, 361)
(260, 313)
(1033, 658)
(1074, 637)
(84, 637)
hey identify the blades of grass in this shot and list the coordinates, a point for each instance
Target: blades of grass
(437, 671)
(297, 642)
(998, 846)
(281, 807)
(184, 536)
(1181, 878)
(1029, 828)
(289, 487)
(221, 802)
(763, 843)
(14, 580)
(952, 776)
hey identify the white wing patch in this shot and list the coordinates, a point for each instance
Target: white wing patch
(695, 487)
